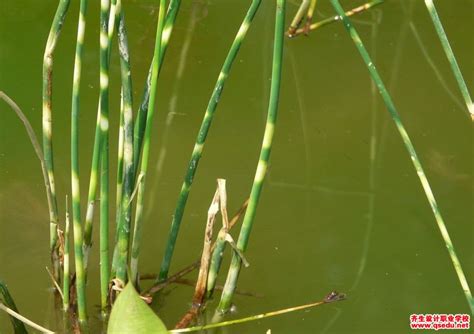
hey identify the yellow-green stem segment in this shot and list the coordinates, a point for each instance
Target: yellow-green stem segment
(410, 148)
(76, 198)
(53, 37)
(242, 242)
(124, 231)
(107, 25)
(201, 138)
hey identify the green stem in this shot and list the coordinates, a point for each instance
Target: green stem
(107, 24)
(309, 15)
(356, 10)
(66, 277)
(411, 150)
(124, 233)
(128, 167)
(76, 199)
(450, 55)
(260, 173)
(119, 186)
(140, 122)
(104, 225)
(53, 37)
(125, 102)
(18, 326)
(201, 138)
(216, 261)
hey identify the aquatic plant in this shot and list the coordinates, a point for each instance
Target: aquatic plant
(120, 280)
(53, 37)
(76, 194)
(410, 148)
(157, 59)
(262, 165)
(201, 138)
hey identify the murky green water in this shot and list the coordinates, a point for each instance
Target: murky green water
(329, 218)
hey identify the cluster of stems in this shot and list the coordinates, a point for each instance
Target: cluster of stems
(201, 138)
(134, 142)
(112, 23)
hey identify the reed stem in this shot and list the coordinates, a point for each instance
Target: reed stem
(242, 242)
(411, 150)
(123, 52)
(76, 197)
(104, 225)
(119, 185)
(139, 127)
(107, 25)
(53, 37)
(123, 234)
(450, 55)
(201, 138)
(319, 24)
(128, 169)
(66, 275)
(309, 15)
(218, 251)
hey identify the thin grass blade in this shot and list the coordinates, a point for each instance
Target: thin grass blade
(410, 148)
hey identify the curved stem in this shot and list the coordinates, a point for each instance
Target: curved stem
(410, 148)
(76, 198)
(53, 37)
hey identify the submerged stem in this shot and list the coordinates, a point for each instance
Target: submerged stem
(410, 148)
